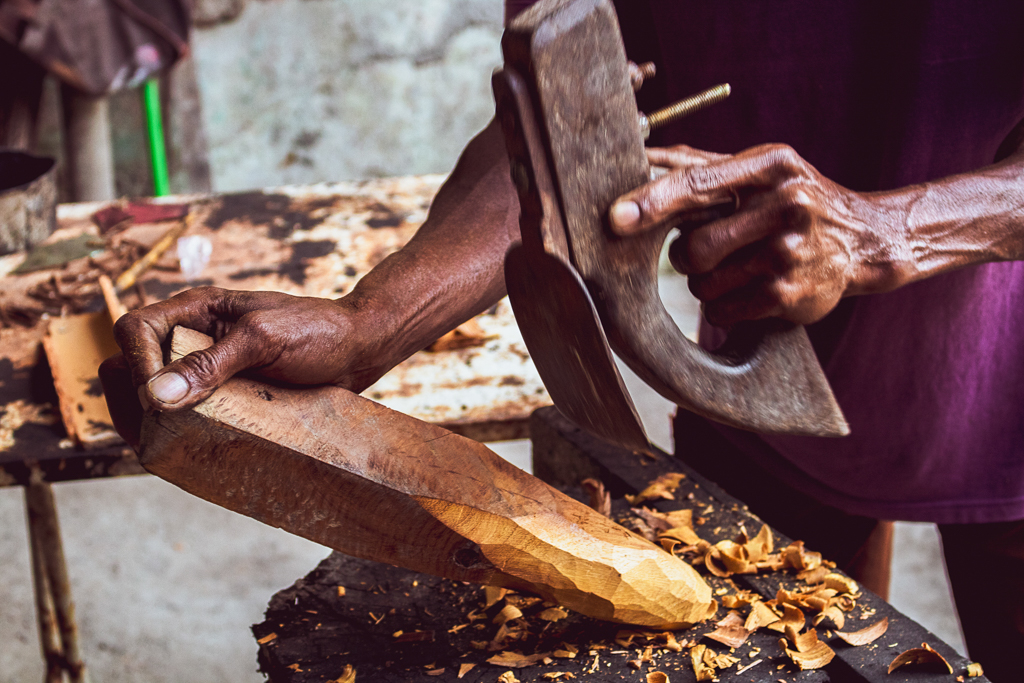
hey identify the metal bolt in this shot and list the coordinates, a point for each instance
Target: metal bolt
(640, 73)
(691, 104)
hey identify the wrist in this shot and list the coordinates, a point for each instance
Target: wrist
(886, 256)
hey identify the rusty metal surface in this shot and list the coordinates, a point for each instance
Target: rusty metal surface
(313, 240)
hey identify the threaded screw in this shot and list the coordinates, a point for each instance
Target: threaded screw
(682, 108)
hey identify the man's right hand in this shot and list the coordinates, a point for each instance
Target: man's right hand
(299, 340)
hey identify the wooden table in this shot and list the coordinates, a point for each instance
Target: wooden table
(314, 241)
(396, 626)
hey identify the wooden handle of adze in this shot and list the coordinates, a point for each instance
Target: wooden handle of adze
(346, 472)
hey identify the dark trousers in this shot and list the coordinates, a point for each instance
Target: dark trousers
(985, 562)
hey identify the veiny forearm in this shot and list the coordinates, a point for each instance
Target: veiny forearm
(452, 268)
(961, 220)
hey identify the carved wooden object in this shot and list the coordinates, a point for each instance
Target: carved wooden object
(343, 471)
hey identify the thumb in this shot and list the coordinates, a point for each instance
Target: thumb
(193, 378)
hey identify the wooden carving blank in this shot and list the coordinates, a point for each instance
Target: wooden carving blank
(343, 471)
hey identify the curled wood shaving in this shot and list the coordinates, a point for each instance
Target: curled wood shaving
(920, 656)
(842, 584)
(813, 576)
(661, 488)
(730, 631)
(657, 677)
(741, 599)
(760, 615)
(492, 594)
(348, 675)
(701, 670)
(600, 497)
(792, 617)
(794, 556)
(974, 670)
(517, 659)
(809, 652)
(507, 677)
(865, 635)
(834, 614)
(435, 672)
(557, 675)
(465, 668)
(507, 613)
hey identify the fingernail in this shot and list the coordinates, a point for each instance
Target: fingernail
(169, 387)
(625, 215)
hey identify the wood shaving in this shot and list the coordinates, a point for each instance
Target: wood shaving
(507, 677)
(558, 675)
(492, 594)
(517, 659)
(760, 615)
(435, 672)
(974, 670)
(465, 668)
(809, 653)
(792, 617)
(508, 613)
(341, 591)
(267, 638)
(600, 497)
(348, 675)
(865, 635)
(661, 488)
(924, 656)
(842, 584)
(730, 631)
(657, 677)
(553, 614)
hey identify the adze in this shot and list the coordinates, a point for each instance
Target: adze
(336, 468)
(571, 127)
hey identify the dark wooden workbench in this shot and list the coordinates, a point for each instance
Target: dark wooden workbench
(311, 632)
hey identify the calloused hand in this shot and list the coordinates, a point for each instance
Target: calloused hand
(300, 340)
(795, 245)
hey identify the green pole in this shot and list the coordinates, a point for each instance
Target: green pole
(155, 127)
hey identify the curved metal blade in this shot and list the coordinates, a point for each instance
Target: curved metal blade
(569, 347)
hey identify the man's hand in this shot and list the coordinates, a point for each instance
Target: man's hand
(300, 340)
(796, 243)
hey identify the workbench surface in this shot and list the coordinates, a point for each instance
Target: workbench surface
(315, 241)
(397, 626)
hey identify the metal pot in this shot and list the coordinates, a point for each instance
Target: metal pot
(28, 199)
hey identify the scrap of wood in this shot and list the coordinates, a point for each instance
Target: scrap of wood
(865, 635)
(75, 346)
(924, 656)
(351, 474)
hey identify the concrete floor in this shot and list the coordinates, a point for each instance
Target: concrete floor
(167, 585)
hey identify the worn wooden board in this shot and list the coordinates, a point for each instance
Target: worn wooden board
(314, 240)
(75, 346)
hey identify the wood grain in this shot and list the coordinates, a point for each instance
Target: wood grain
(341, 470)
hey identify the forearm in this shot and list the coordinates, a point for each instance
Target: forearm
(452, 268)
(953, 222)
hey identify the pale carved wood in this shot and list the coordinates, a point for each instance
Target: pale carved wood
(346, 472)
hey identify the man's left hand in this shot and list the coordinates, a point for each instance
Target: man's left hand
(795, 245)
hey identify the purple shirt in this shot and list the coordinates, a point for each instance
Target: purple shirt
(876, 96)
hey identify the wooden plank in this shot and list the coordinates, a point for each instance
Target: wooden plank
(351, 474)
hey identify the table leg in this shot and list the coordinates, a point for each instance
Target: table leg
(57, 609)
(49, 636)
